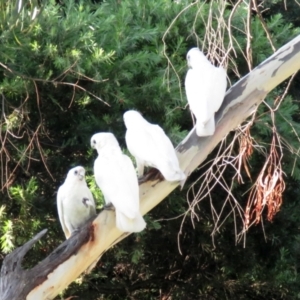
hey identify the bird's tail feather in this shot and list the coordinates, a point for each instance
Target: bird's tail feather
(174, 176)
(126, 224)
(206, 129)
(171, 171)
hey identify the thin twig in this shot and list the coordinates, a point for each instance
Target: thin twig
(264, 25)
(249, 37)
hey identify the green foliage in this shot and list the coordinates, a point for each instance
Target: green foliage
(99, 199)
(72, 71)
(7, 235)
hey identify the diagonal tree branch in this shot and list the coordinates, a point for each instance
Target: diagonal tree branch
(74, 256)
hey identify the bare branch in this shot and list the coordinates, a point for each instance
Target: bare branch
(264, 25)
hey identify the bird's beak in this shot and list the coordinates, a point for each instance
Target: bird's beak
(80, 176)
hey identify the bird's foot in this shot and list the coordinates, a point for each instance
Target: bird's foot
(152, 175)
(142, 179)
(109, 206)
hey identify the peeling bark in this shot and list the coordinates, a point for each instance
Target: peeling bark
(74, 256)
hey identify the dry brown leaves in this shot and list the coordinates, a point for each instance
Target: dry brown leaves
(268, 188)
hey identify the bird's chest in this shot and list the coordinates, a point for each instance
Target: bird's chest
(74, 200)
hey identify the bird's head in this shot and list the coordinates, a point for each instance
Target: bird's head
(103, 139)
(77, 172)
(194, 57)
(131, 118)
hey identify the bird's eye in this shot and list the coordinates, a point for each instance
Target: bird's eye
(188, 57)
(94, 142)
(75, 172)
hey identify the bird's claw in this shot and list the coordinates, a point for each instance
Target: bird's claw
(109, 206)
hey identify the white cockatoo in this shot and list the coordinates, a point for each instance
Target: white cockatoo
(75, 202)
(115, 175)
(151, 147)
(205, 87)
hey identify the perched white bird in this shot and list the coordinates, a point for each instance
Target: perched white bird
(75, 202)
(205, 87)
(115, 175)
(150, 146)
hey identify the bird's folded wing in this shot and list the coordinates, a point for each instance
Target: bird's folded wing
(119, 183)
(59, 200)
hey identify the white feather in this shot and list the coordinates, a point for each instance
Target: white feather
(205, 87)
(116, 177)
(150, 146)
(75, 202)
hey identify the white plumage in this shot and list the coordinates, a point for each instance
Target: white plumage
(150, 146)
(75, 202)
(116, 177)
(205, 87)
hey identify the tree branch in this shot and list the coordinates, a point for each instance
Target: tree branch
(75, 255)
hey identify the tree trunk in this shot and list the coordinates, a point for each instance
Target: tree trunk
(74, 256)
